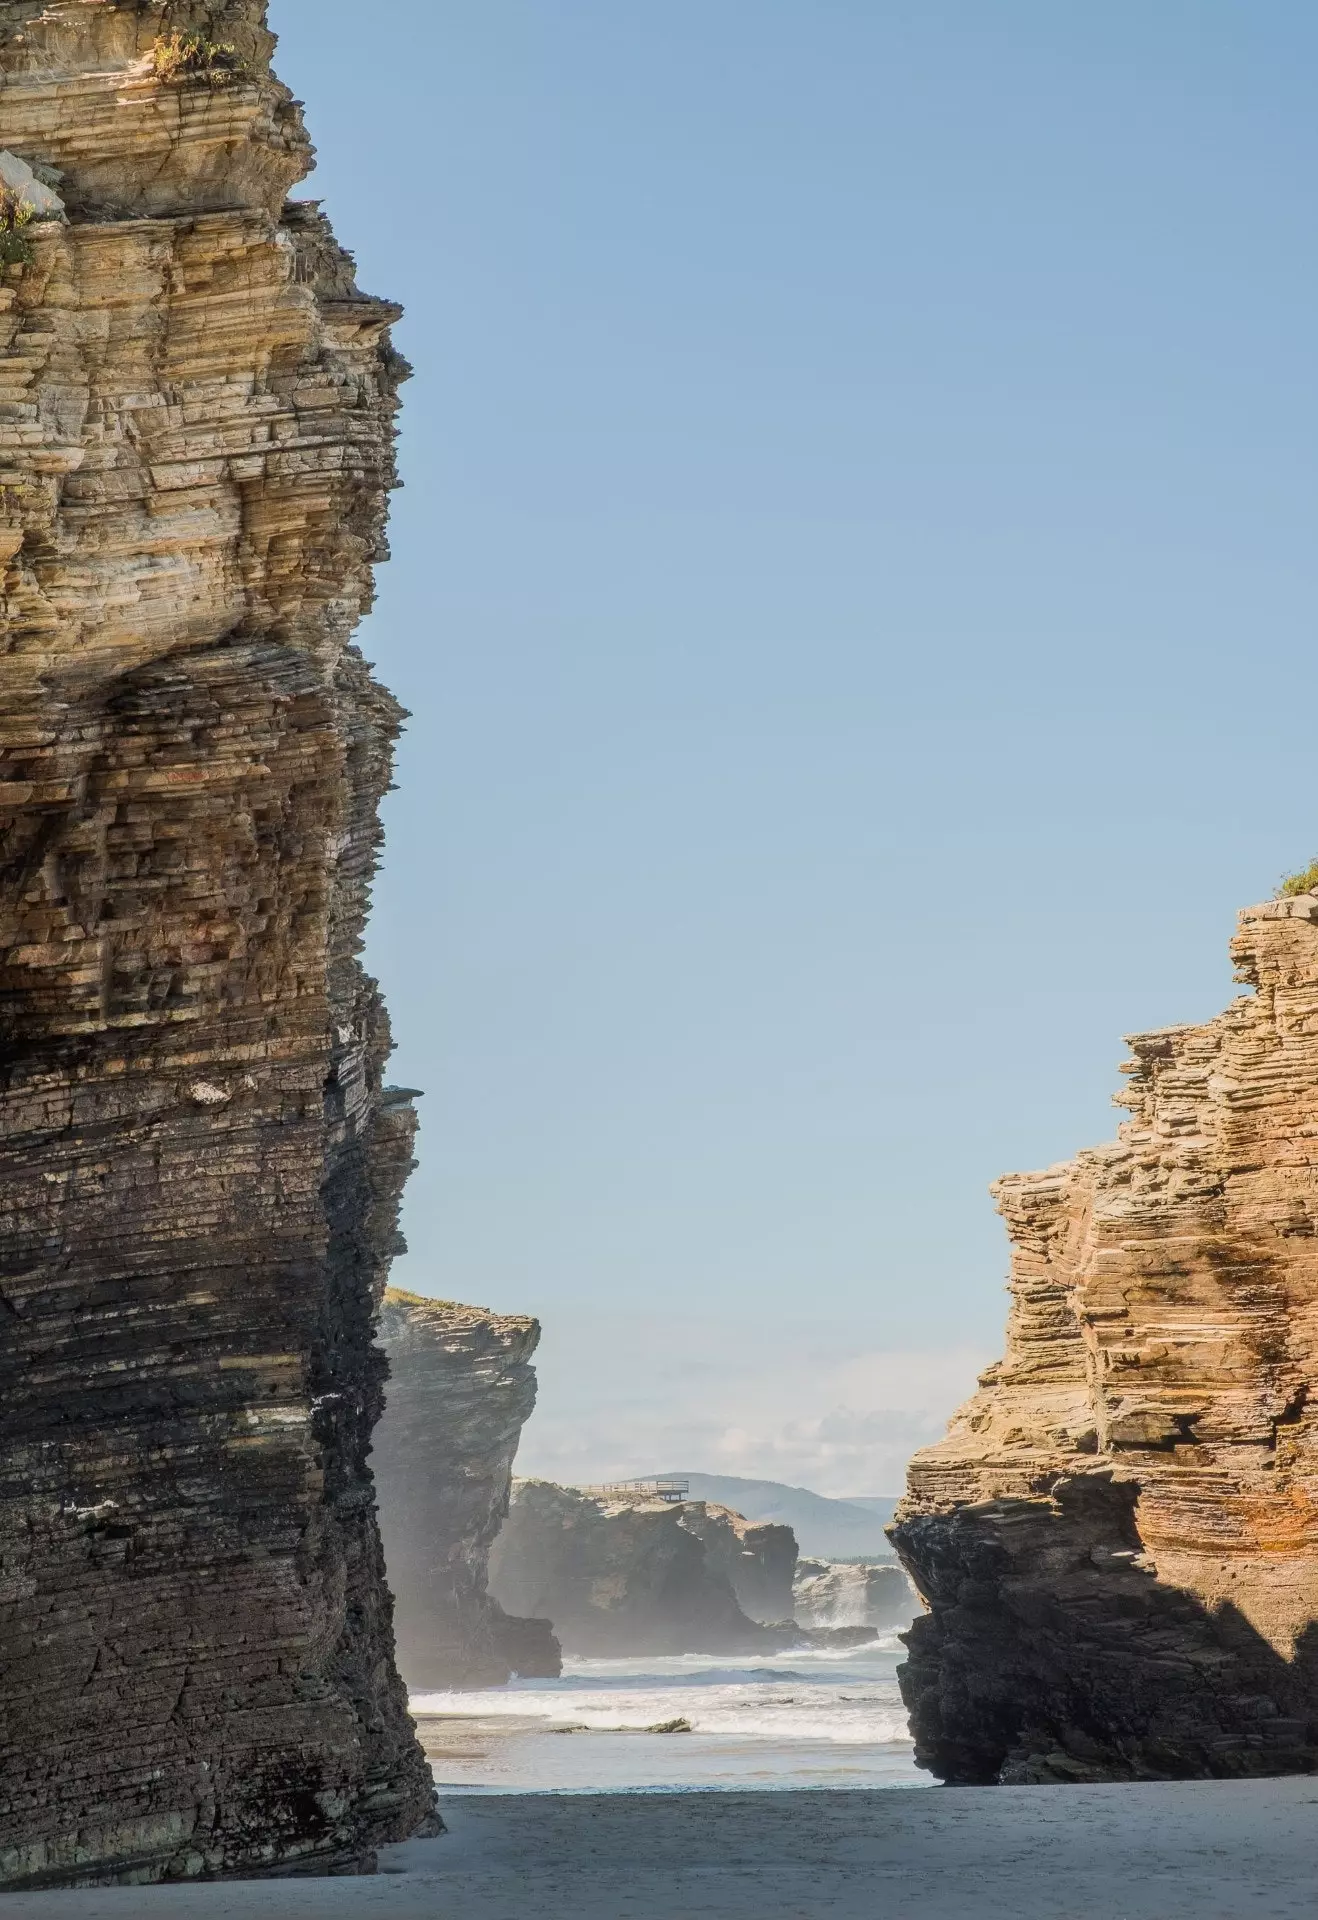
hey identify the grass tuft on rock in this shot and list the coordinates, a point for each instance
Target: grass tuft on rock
(1304, 882)
(190, 56)
(16, 248)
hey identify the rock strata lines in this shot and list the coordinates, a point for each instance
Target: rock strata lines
(1118, 1539)
(199, 1175)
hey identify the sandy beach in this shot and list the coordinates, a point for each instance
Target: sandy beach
(1195, 1851)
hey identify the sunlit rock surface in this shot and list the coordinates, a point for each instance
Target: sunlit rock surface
(200, 1171)
(1118, 1539)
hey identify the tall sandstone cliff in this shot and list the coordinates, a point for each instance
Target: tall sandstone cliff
(461, 1388)
(199, 1170)
(1118, 1540)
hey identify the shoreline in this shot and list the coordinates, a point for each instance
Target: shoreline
(808, 1720)
(1183, 1850)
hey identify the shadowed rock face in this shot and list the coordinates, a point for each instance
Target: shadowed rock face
(756, 1558)
(199, 1175)
(1118, 1540)
(620, 1576)
(461, 1387)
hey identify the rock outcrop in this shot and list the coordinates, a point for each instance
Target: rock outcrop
(1118, 1540)
(201, 1168)
(757, 1558)
(823, 1527)
(461, 1387)
(846, 1594)
(619, 1576)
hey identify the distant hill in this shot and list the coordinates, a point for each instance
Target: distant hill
(885, 1505)
(825, 1529)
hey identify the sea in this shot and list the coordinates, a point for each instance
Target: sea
(822, 1718)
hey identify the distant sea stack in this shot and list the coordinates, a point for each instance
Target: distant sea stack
(756, 1558)
(200, 1165)
(830, 1594)
(1118, 1539)
(632, 1575)
(461, 1387)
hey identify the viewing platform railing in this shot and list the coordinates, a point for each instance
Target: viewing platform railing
(671, 1490)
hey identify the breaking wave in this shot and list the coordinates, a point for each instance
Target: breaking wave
(766, 1721)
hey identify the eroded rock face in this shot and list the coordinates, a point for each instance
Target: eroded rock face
(757, 1558)
(619, 1576)
(1118, 1539)
(199, 1173)
(461, 1387)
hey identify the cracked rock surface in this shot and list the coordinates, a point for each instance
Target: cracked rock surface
(199, 1175)
(1118, 1539)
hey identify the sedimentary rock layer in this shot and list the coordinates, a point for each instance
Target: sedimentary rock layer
(199, 1171)
(1118, 1540)
(461, 1387)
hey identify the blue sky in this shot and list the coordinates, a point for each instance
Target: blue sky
(854, 590)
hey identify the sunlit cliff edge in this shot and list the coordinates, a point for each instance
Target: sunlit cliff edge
(201, 1167)
(1118, 1539)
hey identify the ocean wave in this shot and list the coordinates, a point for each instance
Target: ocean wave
(860, 1717)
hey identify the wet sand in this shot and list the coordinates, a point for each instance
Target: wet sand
(1211, 1851)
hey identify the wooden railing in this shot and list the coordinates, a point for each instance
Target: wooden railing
(671, 1490)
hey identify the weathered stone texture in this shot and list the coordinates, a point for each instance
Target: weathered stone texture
(1118, 1539)
(461, 1388)
(199, 1174)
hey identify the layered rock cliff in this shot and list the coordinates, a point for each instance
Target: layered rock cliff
(461, 1387)
(624, 1575)
(200, 1167)
(1118, 1540)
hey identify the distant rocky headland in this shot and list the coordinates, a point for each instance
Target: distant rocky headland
(461, 1386)
(1118, 1539)
(201, 1163)
(635, 1575)
(622, 1571)
(494, 1577)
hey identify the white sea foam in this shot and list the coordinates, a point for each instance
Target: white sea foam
(768, 1721)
